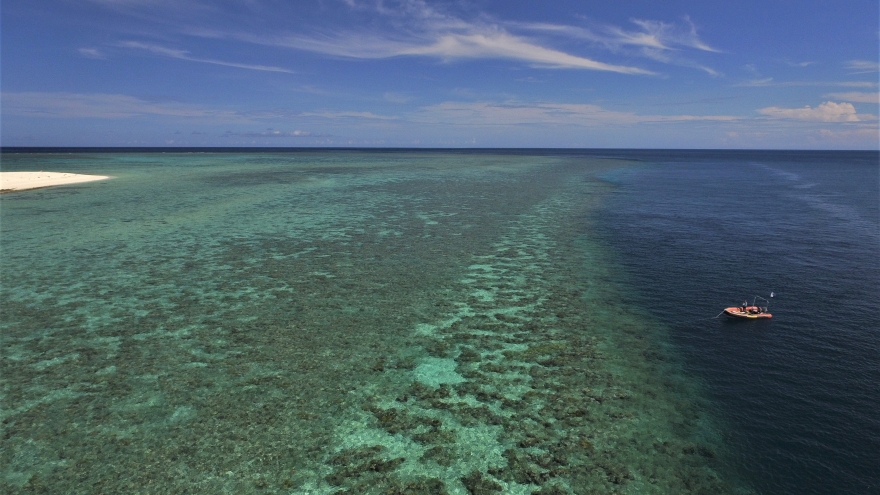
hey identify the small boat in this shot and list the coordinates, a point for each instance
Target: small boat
(749, 311)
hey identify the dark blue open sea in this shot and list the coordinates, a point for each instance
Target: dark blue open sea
(440, 322)
(799, 395)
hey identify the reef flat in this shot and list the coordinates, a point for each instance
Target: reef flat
(337, 323)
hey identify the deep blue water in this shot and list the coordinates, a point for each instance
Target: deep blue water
(798, 396)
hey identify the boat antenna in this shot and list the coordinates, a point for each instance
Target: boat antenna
(755, 300)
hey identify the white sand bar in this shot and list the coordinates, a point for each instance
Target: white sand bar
(19, 181)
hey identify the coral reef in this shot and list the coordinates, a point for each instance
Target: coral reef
(394, 324)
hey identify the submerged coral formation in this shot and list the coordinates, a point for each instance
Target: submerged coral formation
(333, 323)
(536, 405)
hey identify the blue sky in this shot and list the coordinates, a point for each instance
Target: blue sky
(418, 73)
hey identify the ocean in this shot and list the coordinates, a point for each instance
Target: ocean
(798, 395)
(441, 321)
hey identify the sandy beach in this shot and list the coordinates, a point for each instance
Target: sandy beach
(20, 181)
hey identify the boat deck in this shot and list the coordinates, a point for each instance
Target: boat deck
(751, 312)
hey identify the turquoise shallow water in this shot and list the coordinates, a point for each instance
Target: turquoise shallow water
(334, 322)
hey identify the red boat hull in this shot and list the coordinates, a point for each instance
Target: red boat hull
(750, 313)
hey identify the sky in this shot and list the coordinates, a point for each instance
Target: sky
(768, 74)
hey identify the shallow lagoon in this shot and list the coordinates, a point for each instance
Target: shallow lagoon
(334, 322)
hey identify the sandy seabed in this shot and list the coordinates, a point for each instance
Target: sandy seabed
(20, 181)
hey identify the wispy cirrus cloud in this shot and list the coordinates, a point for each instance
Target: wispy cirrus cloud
(474, 43)
(412, 28)
(652, 34)
(547, 113)
(771, 82)
(656, 40)
(828, 111)
(862, 66)
(500, 44)
(105, 106)
(92, 53)
(119, 106)
(663, 42)
(855, 96)
(347, 115)
(185, 55)
(799, 64)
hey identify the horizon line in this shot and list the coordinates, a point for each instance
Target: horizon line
(30, 149)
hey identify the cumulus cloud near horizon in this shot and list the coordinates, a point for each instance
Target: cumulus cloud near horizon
(274, 133)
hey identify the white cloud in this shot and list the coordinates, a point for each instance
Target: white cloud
(856, 96)
(91, 53)
(476, 43)
(862, 66)
(105, 106)
(412, 28)
(826, 112)
(273, 133)
(347, 115)
(656, 40)
(184, 55)
(499, 44)
(119, 106)
(653, 34)
(415, 28)
(770, 82)
(767, 81)
(520, 113)
(671, 35)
